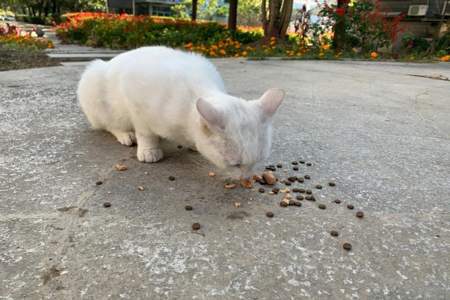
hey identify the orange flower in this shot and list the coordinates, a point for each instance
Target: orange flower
(244, 53)
(222, 52)
(445, 58)
(373, 55)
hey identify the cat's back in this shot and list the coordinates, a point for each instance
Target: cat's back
(167, 66)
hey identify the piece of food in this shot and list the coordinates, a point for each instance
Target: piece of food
(141, 188)
(106, 204)
(261, 190)
(359, 214)
(331, 183)
(350, 206)
(269, 214)
(230, 186)
(237, 204)
(121, 167)
(188, 207)
(171, 178)
(99, 182)
(196, 226)
(246, 183)
(318, 186)
(211, 174)
(334, 233)
(347, 246)
(337, 201)
(269, 178)
(322, 206)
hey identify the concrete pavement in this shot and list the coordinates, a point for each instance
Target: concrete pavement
(381, 134)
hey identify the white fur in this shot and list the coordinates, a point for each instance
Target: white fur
(157, 92)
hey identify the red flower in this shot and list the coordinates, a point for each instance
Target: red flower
(340, 11)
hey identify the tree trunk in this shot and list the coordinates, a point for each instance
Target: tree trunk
(339, 30)
(277, 22)
(232, 15)
(194, 10)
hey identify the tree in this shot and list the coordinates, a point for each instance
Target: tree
(249, 12)
(194, 10)
(232, 15)
(275, 17)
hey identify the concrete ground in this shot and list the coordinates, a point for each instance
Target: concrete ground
(381, 134)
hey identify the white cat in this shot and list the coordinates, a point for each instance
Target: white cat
(157, 92)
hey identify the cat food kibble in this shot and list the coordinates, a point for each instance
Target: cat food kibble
(279, 166)
(211, 174)
(261, 190)
(300, 197)
(269, 178)
(334, 233)
(287, 183)
(331, 183)
(309, 192)
(301, 161)
(106, 204)
(319, 187)
(237, 204)
(292, 178)
(141, 188)
(300, 179)
(310, 198)
(284, 203)
(322, 206)
(307, 177)
(99, 182)
(275, 190)
(337, 201)
(347, 246)
(295, 163)
(295, 168)
(309, 164)
(269, 214)
(350, 206)
(359, 214)
(121, 167)
(271, 168)
(196, 226)
(295, 203)
(188, 207)
(171, 178)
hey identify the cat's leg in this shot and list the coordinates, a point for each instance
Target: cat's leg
(148, 149)
(126, 138)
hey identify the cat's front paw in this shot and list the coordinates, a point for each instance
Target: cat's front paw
(125, 138)
(149, 155)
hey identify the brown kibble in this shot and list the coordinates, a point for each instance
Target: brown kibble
(292, 178)
(350, 206)
(171, 178)
(359, 214)
(309, 164)
(283, 204)
(287, 183)
(300, 197)
(301, 161)
(310, 198)
(99, 182)
(269, 177)
(295, 168)
(295, 203)
(271, 168)
(229, 186)
(337, 201)
(246, 183)
(106, 204)
(300, 179)
(309, 192)
(261, 190)
(334, 233)
(347, 246)
(295, 163)
(322, 206)
(279, 166)
(188, 207)
(196, 226)
(300, 190)
(121, 167)
(269, 214)
(275, 190)
(296, 190)
(307, 177)
(331, 183)
(211, 174)
(237, 204)
(319, 187)
(141, 188)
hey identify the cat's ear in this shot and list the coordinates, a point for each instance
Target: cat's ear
(213, 117)
(270, 101)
